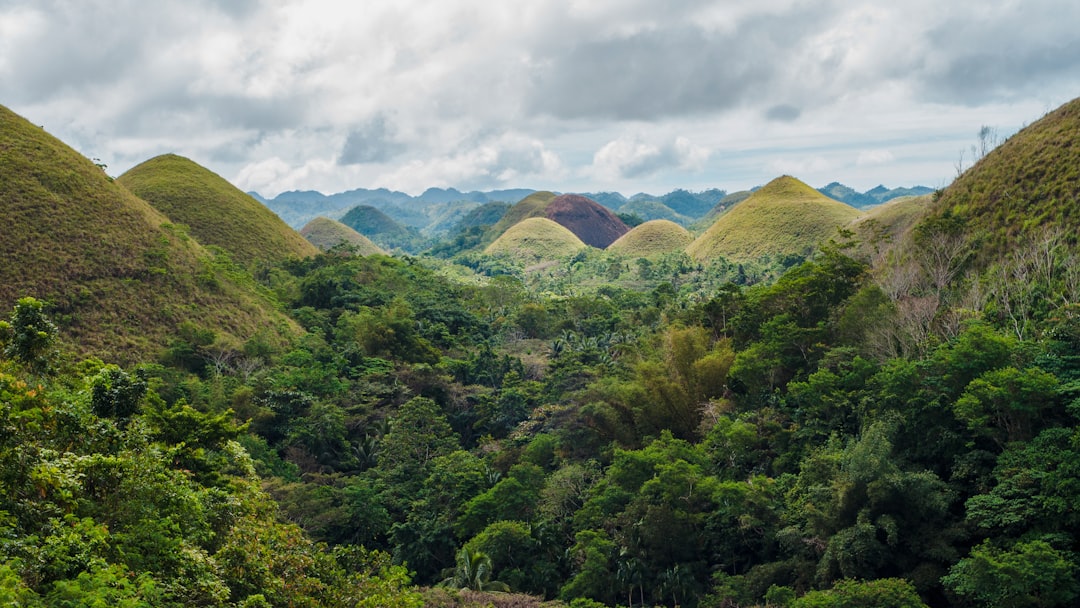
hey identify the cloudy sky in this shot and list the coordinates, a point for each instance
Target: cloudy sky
(586, 95)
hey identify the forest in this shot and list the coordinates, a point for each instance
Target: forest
(797, 442)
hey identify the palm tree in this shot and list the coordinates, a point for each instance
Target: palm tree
(473, 571)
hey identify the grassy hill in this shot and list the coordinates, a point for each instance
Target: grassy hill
(652, 238)
(216, 212)
(1029, 182)
(326, 233)
(786, 216)
(536, 239)
(120, 278)
(530, 206)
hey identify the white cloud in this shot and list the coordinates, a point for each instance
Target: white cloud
(468, 92)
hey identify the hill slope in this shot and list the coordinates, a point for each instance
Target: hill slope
(530, 206)
(592, 223)
(534, 240)
(652, 238)
(326, 233)
(217, 212)
(120, 278)
(1031, 181)
(785, 216)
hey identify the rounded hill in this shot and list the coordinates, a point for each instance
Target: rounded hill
(120, 279)
(652, 238)
(326, 233)
(530, 206)
(216, 212)
(536, 239)
(786, 216)
(1031, 181)
(592, 223)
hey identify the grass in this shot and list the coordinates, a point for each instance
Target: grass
(216, 212)
(655, 237)
(119, 277)
(891, 220)
(1031, 181)
(530, 206)
(534, 240)
(326, 233)
(784, 217)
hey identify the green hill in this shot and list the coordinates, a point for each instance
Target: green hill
(1031, 181)
(654, 237)
(530, 206)
(382, 229)
(120, 279)
(536, 239)
(216, 212)
(784, 217)
(326, 233)
(654, 210)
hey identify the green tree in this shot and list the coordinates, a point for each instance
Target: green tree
(30, 337)
(473, 571)
(881, 593)
(1029, 573)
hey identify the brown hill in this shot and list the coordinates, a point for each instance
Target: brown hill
(120, 279)
(217, 212)
(592, 223)
(326, 233)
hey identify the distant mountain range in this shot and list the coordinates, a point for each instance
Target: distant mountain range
(874, 196)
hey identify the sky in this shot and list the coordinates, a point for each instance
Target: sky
(572, 96)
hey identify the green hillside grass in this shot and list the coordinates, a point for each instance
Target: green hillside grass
(530, 206)
(652, 238)
(786, 216)
(536, 239)
(326, 233)
(216, 212)
(1029, 182)
(119, 278)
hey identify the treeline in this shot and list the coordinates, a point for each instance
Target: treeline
(790, 443)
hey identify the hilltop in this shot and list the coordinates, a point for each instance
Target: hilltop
(536, 239)
(216, 212)
(872, 197)
(784, 217)
(326, 233)
(652, 238)
(592, 223)
(121, 279)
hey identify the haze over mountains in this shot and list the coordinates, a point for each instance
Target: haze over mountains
(437, 210)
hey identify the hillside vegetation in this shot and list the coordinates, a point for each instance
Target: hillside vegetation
(785, 217)
(121, 279)
(592, 223)
(326, 233)
(652, 238)
(1030, 182)
(216, 212)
